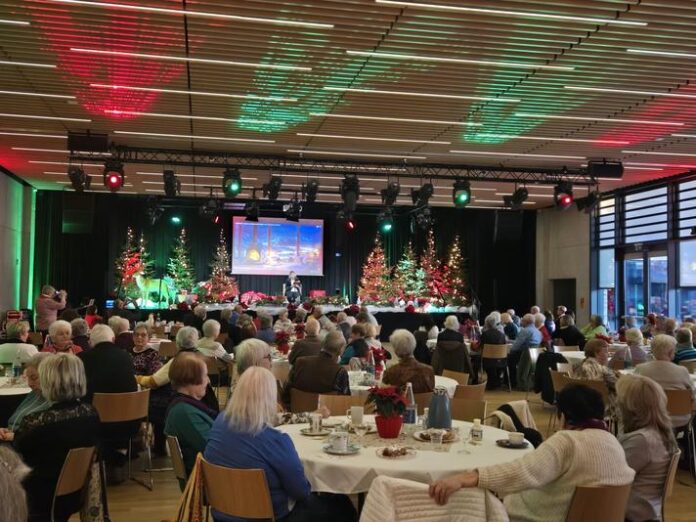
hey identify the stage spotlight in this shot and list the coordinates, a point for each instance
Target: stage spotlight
(385, 221)
(80, 181)
(210, 209)
(350, 224)
(251, 210)
(421, 196)
(461, 193)
(114, 177)
(310, 190)
(517, 198)
(176, 220)
(172, 184)
(271, 190)
(293, 210)
(563, 195)
(390, 193)
(154, 212)
(231, 182)
(589, 202)
(422, 219)
(347, 218)
(350, 193)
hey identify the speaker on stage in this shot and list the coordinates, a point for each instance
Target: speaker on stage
(605, 169)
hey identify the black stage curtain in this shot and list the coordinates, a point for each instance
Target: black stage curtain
(499, 246)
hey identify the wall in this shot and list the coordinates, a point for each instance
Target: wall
(563, 252)
(16, 243)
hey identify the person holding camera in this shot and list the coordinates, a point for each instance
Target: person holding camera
(47, 306)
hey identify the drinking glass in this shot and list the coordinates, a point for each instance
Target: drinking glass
(361, 430)
(436, 437)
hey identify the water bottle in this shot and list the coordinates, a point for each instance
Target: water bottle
(16, 368)
(370, 366)
(424, 420)
(411, 413)
(476, 433)
(439, 414)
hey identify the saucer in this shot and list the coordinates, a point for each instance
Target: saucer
(309, 433)
(352, 449)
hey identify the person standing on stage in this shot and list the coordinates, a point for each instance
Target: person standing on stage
(292, 288)
(47, 306)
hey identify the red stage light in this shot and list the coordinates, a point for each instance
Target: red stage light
(350, 224)
(114, 177)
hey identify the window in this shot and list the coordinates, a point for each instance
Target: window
(606, 223)
(687, 208)
(645, 216)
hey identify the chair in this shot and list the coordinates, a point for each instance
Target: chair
(175, 330)
(472, 392)
(599, 386)
(558, 384)
(605, 503)
(494, 356)
(158, 331)
(241, 493)
(74, 473)
(451, 355)
(168, 349)
(177, 458)
(561, 349)
(468, 410)
(461, 378)
(422, 401)
(214, 370)
(690, 365)
(338, 405)
(679, 404)
(566, 368)
(35, 338)
(301, 401)
(533, 358)
(125, 407)
(669, 480)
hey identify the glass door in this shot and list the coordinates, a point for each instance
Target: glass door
(634, 285)
(657, 277)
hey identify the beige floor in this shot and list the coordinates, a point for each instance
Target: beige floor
(131, 502)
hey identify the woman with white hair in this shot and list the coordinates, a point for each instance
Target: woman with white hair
(244, 437)
(59, 339)
(80, 333)
(540, 324)
(491, 333)
(451, 353)
(253, 352)
(44, 438)
(634, 340)
(16, 346)
(186, 341)
(421, 376)
(122, 337)
(451, 331)
(208, 345)
(283, 324)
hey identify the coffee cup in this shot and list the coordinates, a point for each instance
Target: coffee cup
(339, 441)
(355, 414)
(516, 438)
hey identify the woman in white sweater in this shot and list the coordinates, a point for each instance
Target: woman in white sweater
(648, 442)
(540, 485)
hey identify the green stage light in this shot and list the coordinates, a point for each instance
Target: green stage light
(176, 220)
(385, 221)
(231, 182)
(461, 193)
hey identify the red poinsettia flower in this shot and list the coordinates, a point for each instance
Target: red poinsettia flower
(411, 309)
(388, 401)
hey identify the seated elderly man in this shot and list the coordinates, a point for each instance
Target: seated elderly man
(266, 332)
(310, 345)
(421, 376)
(667, 374)
(528, 337)
(208, 345)
(343, 324)
(16, 345)
(123, 338)
(685, 347)
(324, 322)
(80, 333)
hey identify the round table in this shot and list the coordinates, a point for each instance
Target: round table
(10, 397)
(446, 382)
(629, 371)
(354, 473)
(575, 357)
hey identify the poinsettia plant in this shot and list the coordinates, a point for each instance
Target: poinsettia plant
(387, 400)
(300, 330)
(282, 338)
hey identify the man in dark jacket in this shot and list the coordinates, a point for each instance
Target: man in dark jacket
(310, 345)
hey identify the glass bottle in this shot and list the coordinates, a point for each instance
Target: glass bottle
(411, 413)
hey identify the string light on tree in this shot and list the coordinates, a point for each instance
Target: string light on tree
(129, 264)
(435, 273)
(375, 284)
(180, 266)
(456, 280)
(409, 278)
(221, 286)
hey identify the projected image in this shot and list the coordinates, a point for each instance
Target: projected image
(276, 247)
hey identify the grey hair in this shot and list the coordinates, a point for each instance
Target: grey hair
(403, 343)
(244, 319)
(14, 499)
(79, 327)
(341, 316)
(265, 321)
(62, 378)
(186, 338)
(211, 328)
(118, 324)
(539, 319)
(452, 323)
(101, 334)
(312, 326)
(527, 319)
(334, 342)
(492, 320)
(59, 325)
(226, 314)
(254, 403)
(300, 313)
(250, 352)
(663, 346)
(142, 326)
(36, 359)
(683, 336)
(633, 336)
(48, 290)
(14, 330)
(200, 311)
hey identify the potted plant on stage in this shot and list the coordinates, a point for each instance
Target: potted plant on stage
(390, 407)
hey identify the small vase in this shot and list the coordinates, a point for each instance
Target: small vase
(389, 427)
(283, 348)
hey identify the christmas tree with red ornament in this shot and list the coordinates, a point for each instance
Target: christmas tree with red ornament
(221, 287)
(375, 284)
(436, 275)
(456, 275)
(129, 264)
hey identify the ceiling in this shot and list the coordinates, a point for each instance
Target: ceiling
(513, 83)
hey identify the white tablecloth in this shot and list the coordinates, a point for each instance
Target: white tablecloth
(18, 389)
(354, 474)
(574, 357)
(448, 383)
(629, 371)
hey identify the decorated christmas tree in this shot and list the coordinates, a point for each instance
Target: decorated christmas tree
(221, 286)
(375, 283)
(435, 274)
(180, 266)
(145, 257)
(409, 278)
(128, 266)
(456, 276)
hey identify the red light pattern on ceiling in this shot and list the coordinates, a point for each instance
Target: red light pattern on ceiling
(121, 31)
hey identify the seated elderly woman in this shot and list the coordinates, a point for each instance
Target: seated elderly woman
(594, 328)
(310, 345)
(491, 333)
(208, 345)
(379, 353)
(510, 329)
(33, 402)
(357, 346)
(667, 374)
(44, 438)
(540, 324)
(540, 485)
(16, 345)
(80, 333)
(188, 418)
(648, 441)
(636, 353)
(123, 338)
(451, 352)
(569, 333)
(243, 329)
(283, 324)
(266, 332)
(685, 347)
(59, 339)
(243, 437)
(594, 368)
(146, 359)
(451, 331)
(408, 369)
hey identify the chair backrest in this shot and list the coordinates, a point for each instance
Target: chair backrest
(301, 401)
(241, 493)
(605, 503)
(177, 458)
(339, 404)
(564, 368)
(670, 478)
(599, 386)
(562, 349)
(534, 355)
(75, 470)
(678, 402)
(422, 401)
(213, 365)
(468, 410)
(690, 365)
(494, 351)
(471, 391)
(557, 380)
(159, 331)
(168, 349)
(461, 377)
(222, 338)
(616, 364)
(35, 338)
(175, 330)
(121, 407)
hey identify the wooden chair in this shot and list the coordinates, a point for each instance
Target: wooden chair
(472, 392)
(461, 378)
(534, 358)
(561, 349)
(422, 401)
(669, 482)
(468, 410)
(599, 386)
(125, 407)
(214, 370)
(177, 458)
(175, 330)
(241, 493)
(35, 338)
(168, 349)
(605, 503)
(679, 404)
(566, 368)
(222, 338)
(74, 473)
(495, 357)
(338, 405)
(301, 401)
(558, 384)
(158, 331)
(690, 365)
